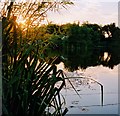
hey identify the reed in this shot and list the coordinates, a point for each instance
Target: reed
(29, 82)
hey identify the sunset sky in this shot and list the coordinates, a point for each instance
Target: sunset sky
(94, 11)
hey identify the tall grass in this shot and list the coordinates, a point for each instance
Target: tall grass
(29, 82)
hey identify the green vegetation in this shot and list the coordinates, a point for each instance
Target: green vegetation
(85, 36)
(80, 46)
(29, 79)
(31, 51)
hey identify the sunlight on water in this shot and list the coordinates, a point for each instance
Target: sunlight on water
(106, 57)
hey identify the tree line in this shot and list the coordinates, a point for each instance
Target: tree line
(75, 36)
(81, 45)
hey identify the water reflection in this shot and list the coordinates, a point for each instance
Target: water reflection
(99, 63)
(90, 98)
(106, 57)
(83, 58)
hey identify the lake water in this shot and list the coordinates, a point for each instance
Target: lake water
(90, 99)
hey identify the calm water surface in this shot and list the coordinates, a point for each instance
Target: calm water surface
(89, 101)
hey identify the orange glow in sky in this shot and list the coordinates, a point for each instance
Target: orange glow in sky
(20, 20)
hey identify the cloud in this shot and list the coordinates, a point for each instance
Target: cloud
(94, 12)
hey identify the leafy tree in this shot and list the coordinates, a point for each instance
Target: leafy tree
(96, 32)
(53, 29)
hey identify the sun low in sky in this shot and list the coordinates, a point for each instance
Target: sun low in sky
(94, 11)
(21, 20)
